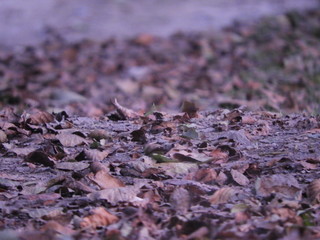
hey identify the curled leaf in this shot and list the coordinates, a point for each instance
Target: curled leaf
(124, 112)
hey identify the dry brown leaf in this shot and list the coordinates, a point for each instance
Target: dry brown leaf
(205, 175)
(223, 195)
(116, 195)
(70, 140)
(57, 227)
(248, 119)
(284, 185)
(98, 134)
(9, 128)
(39, 157)
(40, 117)
(104, 180)
(99, 218)
(180, 200)
(313, 191)
(219, 156)
(239, 178)
(3, 137)
(72, 166)
(125, 112)
(96, 155)
(263, 129)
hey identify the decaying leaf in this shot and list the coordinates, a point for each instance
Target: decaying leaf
(100, 217)
(70, 140)
(313, 191)
(223, 195)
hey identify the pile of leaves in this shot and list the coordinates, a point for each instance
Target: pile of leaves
(75, 165)
(272, 65)
(194, 175)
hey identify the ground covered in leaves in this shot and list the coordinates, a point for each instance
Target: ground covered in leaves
(75, 165)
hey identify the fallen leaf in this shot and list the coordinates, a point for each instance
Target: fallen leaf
(313, 191)
(125, 112)
(180, 200)
(116, 195)
(3, 137)
(283, 185)
(205, 175)
(223, 195)
(40, 117)
(72, 166)
(96, 155)
(104, 180)
(189, 108)
(100, 217)
(58, 228)
(239, 178)
(40, 158)
(70, 140)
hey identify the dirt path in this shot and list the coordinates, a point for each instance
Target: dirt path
(23, 22)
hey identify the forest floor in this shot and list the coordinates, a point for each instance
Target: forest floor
(187, 137)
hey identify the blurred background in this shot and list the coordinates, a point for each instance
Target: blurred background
(76, 55)
(24, 22)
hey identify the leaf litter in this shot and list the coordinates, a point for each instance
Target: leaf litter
(108, 171)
